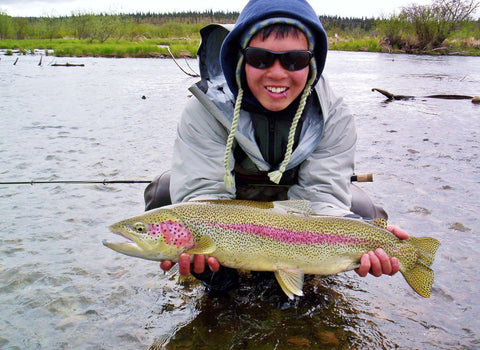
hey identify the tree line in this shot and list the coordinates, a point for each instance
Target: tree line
(100, 27)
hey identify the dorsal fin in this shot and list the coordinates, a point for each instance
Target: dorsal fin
(302, 207)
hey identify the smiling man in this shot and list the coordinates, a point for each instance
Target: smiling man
(268, 128)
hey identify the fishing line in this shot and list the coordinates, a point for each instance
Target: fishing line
(81, 182)
(355, 178)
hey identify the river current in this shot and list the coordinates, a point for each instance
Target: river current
(115, 119)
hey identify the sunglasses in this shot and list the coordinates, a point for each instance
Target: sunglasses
(290, 60)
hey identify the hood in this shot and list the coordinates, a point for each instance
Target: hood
(259, 10)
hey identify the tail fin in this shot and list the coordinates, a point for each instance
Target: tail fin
(426, 248)
(420, 277)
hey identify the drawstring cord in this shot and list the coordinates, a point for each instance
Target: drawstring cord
(228, 178)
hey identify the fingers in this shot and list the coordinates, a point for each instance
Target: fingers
(198, 263)
(397, 231)
(185, 266)
(377, 263)
(364, 268)
(166, 265)
(376, 267)
(380, 263)
(213, 264)
(395, 266)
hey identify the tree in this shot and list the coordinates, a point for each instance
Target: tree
(20, 27)
(434, 23)
(51, 27)
(105, 26)
(456, 11)
(5, 24)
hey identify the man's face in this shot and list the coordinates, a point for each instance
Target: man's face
(276, 87)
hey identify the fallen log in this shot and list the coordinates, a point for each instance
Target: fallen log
(68, 65)
(392, 97)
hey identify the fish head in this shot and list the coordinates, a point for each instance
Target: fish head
(156, 235)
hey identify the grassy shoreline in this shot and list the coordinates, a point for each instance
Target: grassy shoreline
(187, 47)
(110, 48)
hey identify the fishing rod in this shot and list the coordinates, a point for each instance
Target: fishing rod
(81, 182)
(355, 178)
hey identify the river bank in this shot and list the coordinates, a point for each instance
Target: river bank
(187, 47)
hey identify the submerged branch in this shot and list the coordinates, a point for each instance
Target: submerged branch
(68, 65)
(392, 97)
(183, 70)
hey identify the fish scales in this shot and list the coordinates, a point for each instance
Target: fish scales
(282, 237)
(309, 243)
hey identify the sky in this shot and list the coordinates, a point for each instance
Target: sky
(343, 8)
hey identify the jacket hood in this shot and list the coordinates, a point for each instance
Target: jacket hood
(259, 10)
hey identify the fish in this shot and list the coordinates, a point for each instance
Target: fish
(285, 237)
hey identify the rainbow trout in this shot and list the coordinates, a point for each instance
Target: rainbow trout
(283, 237)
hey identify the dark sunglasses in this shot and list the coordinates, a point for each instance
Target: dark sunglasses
(290, 60)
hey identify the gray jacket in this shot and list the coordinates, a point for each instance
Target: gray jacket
(324, 155)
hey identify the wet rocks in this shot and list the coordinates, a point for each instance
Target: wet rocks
(458, 226)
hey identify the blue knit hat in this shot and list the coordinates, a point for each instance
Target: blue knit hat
(254, 14)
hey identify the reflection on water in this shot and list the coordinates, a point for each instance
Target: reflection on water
(60, 288)
(259, 316)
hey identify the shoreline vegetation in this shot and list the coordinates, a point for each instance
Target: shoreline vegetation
(446, 27)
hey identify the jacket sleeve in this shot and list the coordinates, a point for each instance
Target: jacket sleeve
(197, 169)
(324, 177)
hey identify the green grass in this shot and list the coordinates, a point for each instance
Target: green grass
(189, 46)
(110, 48)
(366, 43)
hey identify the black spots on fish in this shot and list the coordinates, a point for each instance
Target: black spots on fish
(158, 229)
(178, 235)
(172, 232)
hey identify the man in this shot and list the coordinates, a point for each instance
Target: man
(268, 128)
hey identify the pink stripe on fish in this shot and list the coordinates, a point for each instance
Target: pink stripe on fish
(174, 232)
(291, 237)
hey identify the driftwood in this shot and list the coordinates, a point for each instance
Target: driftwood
(68, 65)
(392, 97)
(195, 75)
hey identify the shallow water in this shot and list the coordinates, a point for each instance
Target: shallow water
(61, 288)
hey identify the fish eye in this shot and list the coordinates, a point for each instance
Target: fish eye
(139, 227)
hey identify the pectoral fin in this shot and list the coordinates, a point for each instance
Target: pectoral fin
(204, 246)
(291, 282)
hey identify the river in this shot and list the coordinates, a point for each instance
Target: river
(60, 288)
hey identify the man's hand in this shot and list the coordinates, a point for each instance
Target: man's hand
(378, 263)
(184, 264)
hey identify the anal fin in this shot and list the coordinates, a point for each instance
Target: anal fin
(291, 282)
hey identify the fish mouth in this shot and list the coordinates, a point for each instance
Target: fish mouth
(121, 247)
(134, 246)
(120, 233)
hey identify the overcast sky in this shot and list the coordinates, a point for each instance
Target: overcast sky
(344, 8)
